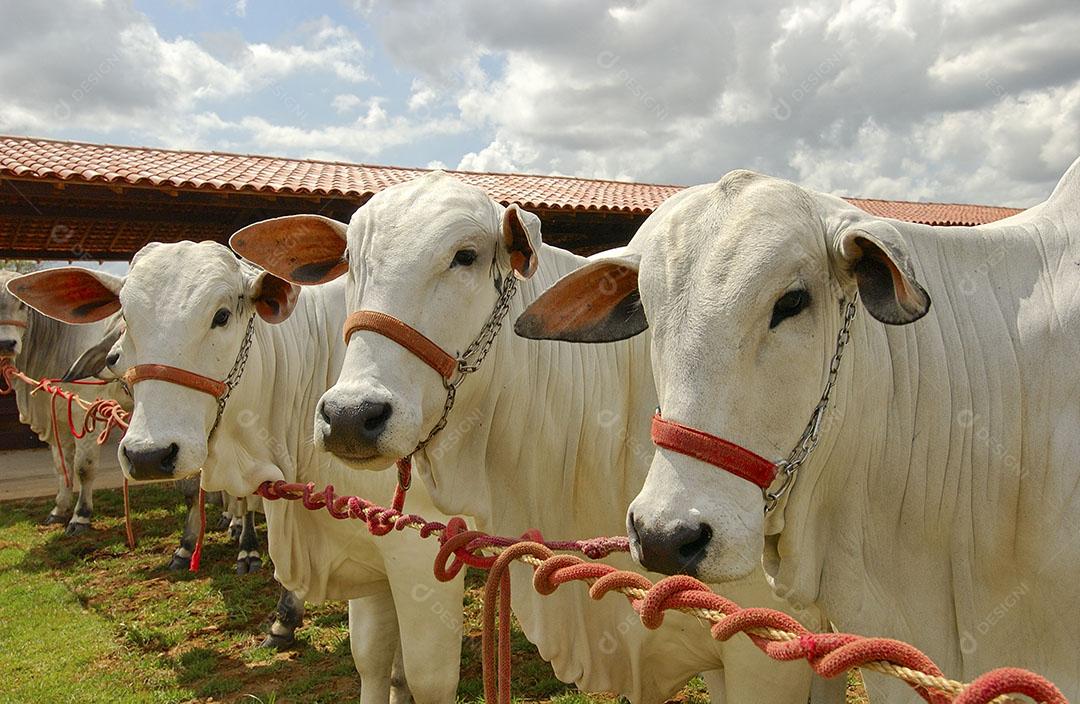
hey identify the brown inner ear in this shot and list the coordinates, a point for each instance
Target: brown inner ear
(889, 295)
(276, 299)
(68, 296)
(516, 239)
(298, 249)
(591, 305)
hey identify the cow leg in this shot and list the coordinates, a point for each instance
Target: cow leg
(248, 560)
(750, 672)
(289, 617)
(87, 453)
(61, 512)
(181, 559)
(399, 685)
(374, 641)
(221, 499)
(429, 616)
(714, 683)
(235, 508)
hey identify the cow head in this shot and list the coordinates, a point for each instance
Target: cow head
(14, 317)
(185, 305)
(741, 283)
(430, 253)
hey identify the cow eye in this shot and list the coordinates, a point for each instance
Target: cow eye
(464, 257)
(790, 304)
(221, 318)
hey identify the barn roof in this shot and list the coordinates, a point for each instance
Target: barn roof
(36, 159)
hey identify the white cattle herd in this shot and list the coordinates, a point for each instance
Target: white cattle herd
(855, 420)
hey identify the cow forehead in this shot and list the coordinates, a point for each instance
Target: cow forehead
(182, 277)
(8, 302)
(427, 209)
(745, 224)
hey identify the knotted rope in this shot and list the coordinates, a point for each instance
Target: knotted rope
(777, 634)
(104, 412)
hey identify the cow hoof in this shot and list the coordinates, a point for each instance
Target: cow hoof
(248, 565)
(279, 643)
(74, 528)
(55, 519)
(223, 523)
(178, 563)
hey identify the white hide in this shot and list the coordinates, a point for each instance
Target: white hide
(544, 435)
(46, 348)
(169, 299)
(942, 505)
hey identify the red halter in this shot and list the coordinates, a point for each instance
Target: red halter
(13, 323)
(716, 451)
(175, 375)
(405, 335)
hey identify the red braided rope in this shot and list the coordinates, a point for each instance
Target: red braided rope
(196, 554)
(106, 412)
(777, 634)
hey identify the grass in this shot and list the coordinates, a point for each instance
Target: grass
(84, 619)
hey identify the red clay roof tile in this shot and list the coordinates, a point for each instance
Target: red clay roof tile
(46, 159)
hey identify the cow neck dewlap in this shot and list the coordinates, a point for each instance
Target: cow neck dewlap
(546, 444)
(930, 465)
(271, 410)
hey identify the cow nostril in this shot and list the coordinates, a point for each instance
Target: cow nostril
(112, 359)
(168, 462)
(152, 462)
(376, 416)
(7, 345)
(694, 549)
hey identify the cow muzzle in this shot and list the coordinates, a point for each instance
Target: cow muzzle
(678, 549)
(351, 429)
(153, 462)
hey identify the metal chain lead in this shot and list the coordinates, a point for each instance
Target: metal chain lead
(233, 377)
(469, 360)
(812, 434)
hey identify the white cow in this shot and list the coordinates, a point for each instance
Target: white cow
(238, 514)
(43, 347)
(942, 506)
(542, 436)
(189, 305)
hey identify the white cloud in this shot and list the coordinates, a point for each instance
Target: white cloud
(346, 102)
(964, 100)
(108, 68)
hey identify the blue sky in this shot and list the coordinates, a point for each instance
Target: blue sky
(951, 100)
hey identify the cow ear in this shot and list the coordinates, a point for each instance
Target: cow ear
(303, 249)
(877, 257)
(93, 361)
(69, 294)
(597, 303)
(274, 297)
(521, 240)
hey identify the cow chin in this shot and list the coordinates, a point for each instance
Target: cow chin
(366, 430)
(238, 481)
(691, 519)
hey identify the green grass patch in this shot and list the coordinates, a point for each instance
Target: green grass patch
(84, 619)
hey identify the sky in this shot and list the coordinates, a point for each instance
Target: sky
(951, 100)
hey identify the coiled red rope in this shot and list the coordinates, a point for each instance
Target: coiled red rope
(104, 412)
(777, 634)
